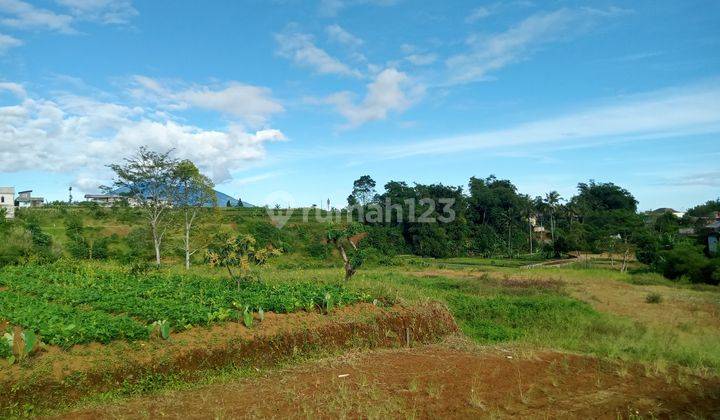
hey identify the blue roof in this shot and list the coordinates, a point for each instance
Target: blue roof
(222, 198)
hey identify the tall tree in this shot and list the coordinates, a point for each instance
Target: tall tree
(552, 199)
(147, 180)
(363, 191)
(193, 192)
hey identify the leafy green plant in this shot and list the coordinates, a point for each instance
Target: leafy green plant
(261, 314)
(163, 327)
(309, 305)
(328, 300)
(118, 305)
(239, 253)
(27, 342)
(248, 317)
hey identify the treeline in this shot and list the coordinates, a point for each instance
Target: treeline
(492, 218)
(488, 218)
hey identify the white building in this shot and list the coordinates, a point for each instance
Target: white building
(25, 199)
(104, 199)
(7, 201)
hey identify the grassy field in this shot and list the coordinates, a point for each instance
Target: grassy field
(582, 306)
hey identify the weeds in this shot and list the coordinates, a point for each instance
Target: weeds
(653, 297)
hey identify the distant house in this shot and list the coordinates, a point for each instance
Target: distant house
(662, 210)
(541, 234)
(7, 201)
(25, 199)
(104, 199)
(687, 231)
(713, 236)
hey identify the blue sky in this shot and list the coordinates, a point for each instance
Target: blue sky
(290, 101)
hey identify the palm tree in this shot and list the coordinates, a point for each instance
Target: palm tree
(552, 199)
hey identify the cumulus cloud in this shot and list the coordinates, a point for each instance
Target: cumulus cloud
(116, 12)
(82, 135)
(391, 91)
(338, 34)
(21, 15)
(252, 104)
(7, 42)
(301, 49)
(14, 88)
(488, 53)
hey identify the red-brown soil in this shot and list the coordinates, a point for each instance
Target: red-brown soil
(66, 376)
(452, 380)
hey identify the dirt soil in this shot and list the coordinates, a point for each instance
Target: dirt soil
(451, 380)
(65, 376)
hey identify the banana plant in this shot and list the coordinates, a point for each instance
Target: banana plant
(23, 344)
(248, 317)
(164, 328)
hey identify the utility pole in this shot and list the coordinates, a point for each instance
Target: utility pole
(70, 195)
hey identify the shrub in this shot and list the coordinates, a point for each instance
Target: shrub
(653, 298)
(689, 260)
(318, 250)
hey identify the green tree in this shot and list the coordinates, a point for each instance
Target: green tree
(552, 199)
(363, 191)
(85, 242)
(147, 179)
(193, 192)
(346, 238)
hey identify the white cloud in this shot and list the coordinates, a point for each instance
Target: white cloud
(337, 34)
(391, 91)
(330, 8)
(422, 59)
(104, 11)
(660, 114)
(477, 14)
(253, 104)
(82, 135)
(488, 53)
(14, 88)
(7, 42)
(301, 49)
(696, 179)
(22, 15)
(256, 178)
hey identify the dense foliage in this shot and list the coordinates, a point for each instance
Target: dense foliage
(488, 218)
(71, 304)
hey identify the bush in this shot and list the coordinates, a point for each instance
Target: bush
(653, 298)
(318, 250)
(690, 261)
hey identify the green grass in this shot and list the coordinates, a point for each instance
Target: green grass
(487, 308)
(489, 312)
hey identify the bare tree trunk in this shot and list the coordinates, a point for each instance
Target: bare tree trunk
(552, 227)
(625, 259)
(349, 270)
(186, 239)
(156, 241)
(187, 247)
(531, 235)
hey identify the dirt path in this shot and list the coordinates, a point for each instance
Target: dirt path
(453, 380)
